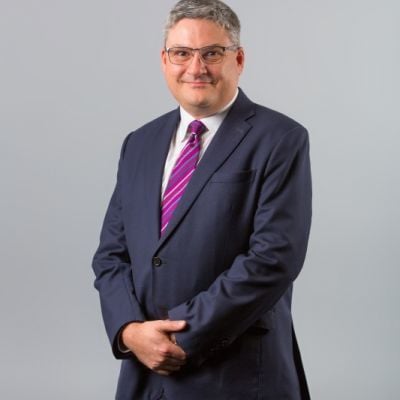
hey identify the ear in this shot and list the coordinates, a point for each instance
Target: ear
(240, 59)
(164, 59)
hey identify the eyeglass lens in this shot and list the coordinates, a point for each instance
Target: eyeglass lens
(210, 54)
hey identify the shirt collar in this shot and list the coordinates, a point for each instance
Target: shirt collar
(212, 122)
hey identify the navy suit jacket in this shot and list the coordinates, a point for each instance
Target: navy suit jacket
(225, 264)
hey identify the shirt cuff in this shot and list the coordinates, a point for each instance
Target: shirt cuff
(120, 344)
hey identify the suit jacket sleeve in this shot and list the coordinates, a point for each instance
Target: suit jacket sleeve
(112, 267)
(259, 277)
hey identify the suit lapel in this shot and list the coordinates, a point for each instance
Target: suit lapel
(228, 137)
(154, 169)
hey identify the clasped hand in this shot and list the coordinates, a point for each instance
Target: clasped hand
(153, 343)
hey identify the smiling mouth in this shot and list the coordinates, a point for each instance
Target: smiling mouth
(198, 83)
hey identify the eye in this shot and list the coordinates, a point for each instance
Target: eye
(181, 53)
(212, 54)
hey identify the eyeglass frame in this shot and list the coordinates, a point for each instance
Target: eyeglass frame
(232, 47)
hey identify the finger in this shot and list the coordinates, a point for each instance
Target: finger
(172, 351)
(166, 349)
(167, 364)
(174, 361)
(167, 370)
(172, 326)
(176, 352)
(162, 372)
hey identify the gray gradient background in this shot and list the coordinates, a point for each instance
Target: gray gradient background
(72, 85)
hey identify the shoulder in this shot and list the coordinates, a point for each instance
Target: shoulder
(157, 126)
(266, 121)
(158, 122)
(275, 121)
(270, 128)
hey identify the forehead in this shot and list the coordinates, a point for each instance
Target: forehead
(197, 33)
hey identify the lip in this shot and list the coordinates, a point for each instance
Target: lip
(198, 83)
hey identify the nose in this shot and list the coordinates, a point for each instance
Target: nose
(196, 66)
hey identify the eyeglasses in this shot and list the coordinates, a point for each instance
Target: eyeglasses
(208, 54)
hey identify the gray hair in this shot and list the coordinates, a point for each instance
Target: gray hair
(212, 10)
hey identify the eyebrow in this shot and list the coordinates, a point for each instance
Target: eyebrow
(208, 45)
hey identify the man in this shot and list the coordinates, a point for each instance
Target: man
(206, 231)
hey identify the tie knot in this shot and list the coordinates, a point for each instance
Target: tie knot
(197, 127)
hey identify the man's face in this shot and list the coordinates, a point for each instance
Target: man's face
(202, 89)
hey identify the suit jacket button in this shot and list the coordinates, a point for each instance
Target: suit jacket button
(224, 342)
(156, 262)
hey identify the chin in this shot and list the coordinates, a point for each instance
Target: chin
(197, 101)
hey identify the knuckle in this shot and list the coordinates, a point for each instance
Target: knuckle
(164, 350)
(155, 364)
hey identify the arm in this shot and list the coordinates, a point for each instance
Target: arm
(150, 341)
(112, 267)
(259, 277)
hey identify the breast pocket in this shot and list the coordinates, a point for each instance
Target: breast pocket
(234, 177)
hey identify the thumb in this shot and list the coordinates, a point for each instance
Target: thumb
(172, 326)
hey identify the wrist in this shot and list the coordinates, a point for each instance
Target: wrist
(127, 331)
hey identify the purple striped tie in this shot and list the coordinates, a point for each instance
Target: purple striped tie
(181, 173)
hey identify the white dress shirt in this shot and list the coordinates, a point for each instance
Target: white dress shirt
(181, 137)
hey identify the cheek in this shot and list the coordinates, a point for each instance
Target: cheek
(171, 83)
(230, 75)
(175, 74)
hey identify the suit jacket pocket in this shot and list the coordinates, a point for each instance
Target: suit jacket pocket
(233, 177)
